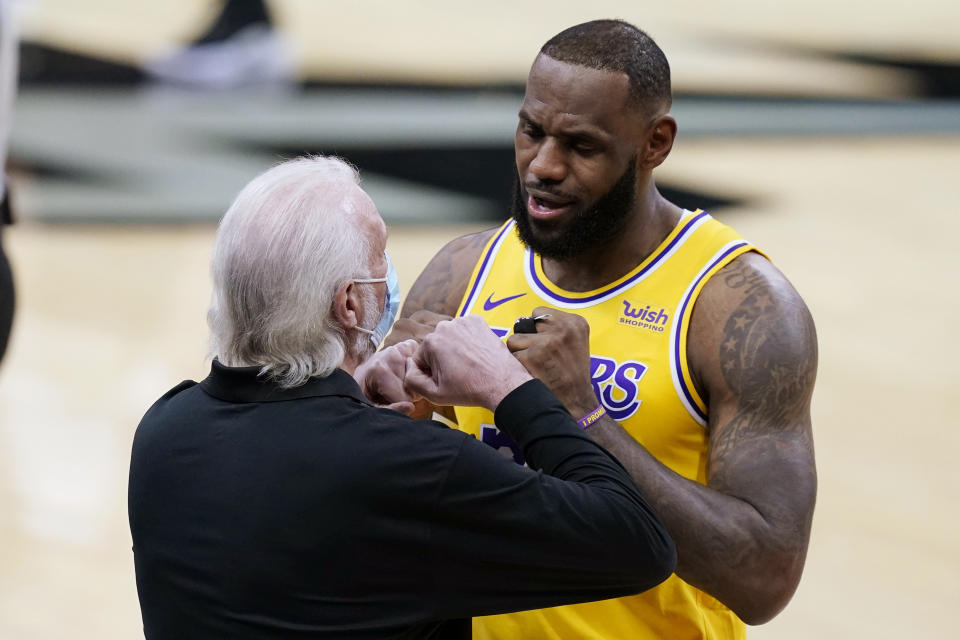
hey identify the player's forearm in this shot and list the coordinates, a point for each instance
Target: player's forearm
(611, 509)
(725, 546)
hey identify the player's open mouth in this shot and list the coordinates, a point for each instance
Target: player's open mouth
(544, 206)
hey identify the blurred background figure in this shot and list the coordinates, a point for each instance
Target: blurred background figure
(8, 88)
(239, 48)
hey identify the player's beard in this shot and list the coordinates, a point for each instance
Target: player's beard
(361, 346)
(589, 228)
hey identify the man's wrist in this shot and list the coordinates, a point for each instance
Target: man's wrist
(585, 403)
(518, 404)
(592, 417)
(508, 386)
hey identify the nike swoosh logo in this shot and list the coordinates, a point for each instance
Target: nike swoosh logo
(491, 303)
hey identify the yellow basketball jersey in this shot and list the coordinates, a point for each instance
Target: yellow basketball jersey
(639, 371)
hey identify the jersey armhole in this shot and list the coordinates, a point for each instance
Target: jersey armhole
(482, 269)
(679, 364)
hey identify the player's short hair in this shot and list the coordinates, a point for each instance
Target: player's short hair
(615, 45)
(283, 248)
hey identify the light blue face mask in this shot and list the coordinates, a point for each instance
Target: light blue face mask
(390, 307)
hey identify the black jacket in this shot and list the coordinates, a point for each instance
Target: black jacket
(258, 512)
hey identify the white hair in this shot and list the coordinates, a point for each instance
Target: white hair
(283, 248)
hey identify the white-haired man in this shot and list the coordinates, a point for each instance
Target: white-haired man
(273, 500)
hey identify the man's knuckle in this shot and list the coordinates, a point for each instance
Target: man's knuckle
(430, 340)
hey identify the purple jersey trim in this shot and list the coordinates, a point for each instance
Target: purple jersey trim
(481, 273)
(680, 315)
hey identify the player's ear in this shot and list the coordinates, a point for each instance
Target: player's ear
(659, 141)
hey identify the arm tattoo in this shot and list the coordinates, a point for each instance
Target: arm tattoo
(444, 280)
(743, 537)
(768, 358)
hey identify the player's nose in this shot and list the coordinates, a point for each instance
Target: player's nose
(549, 165)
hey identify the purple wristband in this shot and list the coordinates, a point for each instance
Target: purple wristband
(592, 417)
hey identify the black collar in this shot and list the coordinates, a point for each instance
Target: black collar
(243, 384)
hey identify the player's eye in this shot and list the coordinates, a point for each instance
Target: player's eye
(531, 130)
(584, 147)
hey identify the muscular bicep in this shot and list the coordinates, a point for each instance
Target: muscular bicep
(753, 345)
(441, 285)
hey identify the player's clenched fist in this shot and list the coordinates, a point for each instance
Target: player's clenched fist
(559, 355)
(462, 362)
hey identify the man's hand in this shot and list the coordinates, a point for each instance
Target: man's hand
(417, 327)
(559, 354)
(436, 296)
(414, 329)
(462, 362)
(381, 378)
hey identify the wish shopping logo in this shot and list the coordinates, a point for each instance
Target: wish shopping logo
(649, 317)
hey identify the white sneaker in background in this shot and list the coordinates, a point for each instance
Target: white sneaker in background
(255, 55)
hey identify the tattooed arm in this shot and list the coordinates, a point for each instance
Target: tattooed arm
(752, 347)
(743, 538)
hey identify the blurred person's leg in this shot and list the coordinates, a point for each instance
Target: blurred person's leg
(8, 88)
(241, 47)
(235, 16)
(6, 284)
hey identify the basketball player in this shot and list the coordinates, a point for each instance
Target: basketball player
(686, 352)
